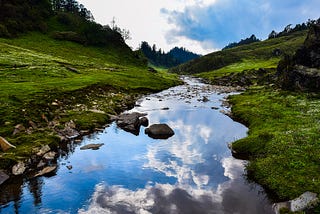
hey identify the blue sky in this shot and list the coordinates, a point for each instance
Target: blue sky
(201, 26)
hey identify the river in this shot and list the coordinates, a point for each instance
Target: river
(191, 172)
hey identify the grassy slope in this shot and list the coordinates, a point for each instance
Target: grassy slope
(240, 58)
(283, 143)
(36, 71)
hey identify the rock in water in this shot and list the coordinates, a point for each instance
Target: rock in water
(5, 145)
(130, 122)
(304, 201)
(46, 170)
(19, 168)
(92, 146)
(144, 121)
(3, 177)
(159, 131)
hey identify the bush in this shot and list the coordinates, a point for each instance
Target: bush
(68, 36)
(4, 31)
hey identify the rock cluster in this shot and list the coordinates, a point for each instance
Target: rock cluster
(302, 71)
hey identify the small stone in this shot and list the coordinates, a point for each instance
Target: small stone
(41, 164)
(18, 128)
(50, 155)
(159, 131)
(166, 108)
(214, 108)
(92, 146)
(5, 145)
(3, 177)
(43, 150)
(69, 167)
(19, 168)
(144, 121)
(46, 170)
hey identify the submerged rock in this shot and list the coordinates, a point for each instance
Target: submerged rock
(46, 170)
(92, 146)
(5, 145)
(159, 131)
(19, 168)
(3, 177)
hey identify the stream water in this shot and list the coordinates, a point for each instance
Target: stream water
(191, 172)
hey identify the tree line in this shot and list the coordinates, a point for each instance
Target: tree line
(289, 29)
(62, 19)
(174, 57)
(246, 41)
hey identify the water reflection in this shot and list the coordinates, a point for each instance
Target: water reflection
(191, 172)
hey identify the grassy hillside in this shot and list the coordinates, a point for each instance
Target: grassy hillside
(47, 83)
(251, 56)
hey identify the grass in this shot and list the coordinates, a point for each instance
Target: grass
(243, 56)
(239, 67)
(284, 139)
(43, 80)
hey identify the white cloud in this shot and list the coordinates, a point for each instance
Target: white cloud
(144, 20)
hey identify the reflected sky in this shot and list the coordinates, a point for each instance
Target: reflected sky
(191, 172)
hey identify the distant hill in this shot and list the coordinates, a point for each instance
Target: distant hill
(174, 57)
(249, 56)
(246, 41)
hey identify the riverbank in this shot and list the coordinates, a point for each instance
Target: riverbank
(51, 91)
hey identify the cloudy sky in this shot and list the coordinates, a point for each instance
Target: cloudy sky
(201, 26)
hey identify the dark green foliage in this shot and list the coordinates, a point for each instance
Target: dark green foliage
(174, 57)
(246, 41)
(182, 55)
(289, 30)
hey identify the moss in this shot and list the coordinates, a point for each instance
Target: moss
(283, 141)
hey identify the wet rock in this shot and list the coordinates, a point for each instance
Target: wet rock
(49, 155)
(165, 108)
(205, 99)
(5, 145)
(305, 201)
(19, 168)
(41, 164)
(3, 177)
(69, 131)
(92, 146)
(130, 122)
(69, 167)
(159, 131)
(46, 170)
(214, 108)
(18, 129)
(43, 150)
(144, 121)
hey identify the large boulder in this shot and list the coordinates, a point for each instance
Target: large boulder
(130, 122)
(159, 131)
